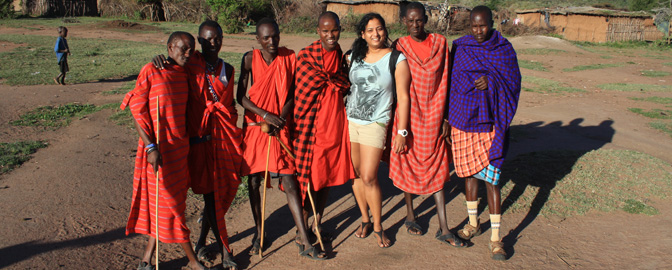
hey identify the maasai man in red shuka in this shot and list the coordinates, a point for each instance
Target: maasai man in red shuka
(215, 156)
(322, 143)
(423, 169)
(168, 154)
(271, 100)
(485, 87)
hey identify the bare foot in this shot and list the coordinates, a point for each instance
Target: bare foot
(195, 265)
(382, 240)
(364, 230)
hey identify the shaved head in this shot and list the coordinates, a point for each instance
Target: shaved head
(485, 11)
(268, 21)
(329, 15)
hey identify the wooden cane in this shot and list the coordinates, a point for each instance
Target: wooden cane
(266, 129)
(157, 173)
(317, 228)
(263, 201)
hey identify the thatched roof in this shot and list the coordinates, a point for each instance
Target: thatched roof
(359, 2)
(588, 11)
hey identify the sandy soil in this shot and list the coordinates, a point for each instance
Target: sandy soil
(67, 207)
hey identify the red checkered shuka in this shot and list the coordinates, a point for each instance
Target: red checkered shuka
(311, 81)
(471, 151)
(423, 169)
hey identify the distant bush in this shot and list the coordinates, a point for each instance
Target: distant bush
(6, 9)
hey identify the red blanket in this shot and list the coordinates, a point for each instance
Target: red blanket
(269, 91)
(322, 143)
(423, 169)
(171, 87)
(214, 165)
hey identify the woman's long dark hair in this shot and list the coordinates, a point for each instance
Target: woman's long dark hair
(359, 47)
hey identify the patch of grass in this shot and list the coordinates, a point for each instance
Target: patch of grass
(654, 113)
(55, 117)
(546, 86)
(533, 65)
(12, 155)
(540, 51)
(127, 86)
(36, 23)
(91, 59)
(631, 87)
(242, 195)
(123, 118)
(659, 100)
(664, 127)
(655, 73)
(578, 182)
(633, 206)
(606, 56)
(668, 64)
(591, 67)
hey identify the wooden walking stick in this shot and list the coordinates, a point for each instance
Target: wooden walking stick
(157, 173)
(317, 228)
(263, 201)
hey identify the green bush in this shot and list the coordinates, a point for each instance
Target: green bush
(6, 9)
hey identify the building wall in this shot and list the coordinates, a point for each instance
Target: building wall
(586, 28)
(389, 12)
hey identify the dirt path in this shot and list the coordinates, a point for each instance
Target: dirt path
(67, 207)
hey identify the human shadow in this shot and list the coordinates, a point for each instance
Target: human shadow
(541, 156)
(20, 252)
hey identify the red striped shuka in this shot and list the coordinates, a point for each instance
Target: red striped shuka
(214, 165)
(171, 87)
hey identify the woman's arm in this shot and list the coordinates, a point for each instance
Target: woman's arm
(402, 76)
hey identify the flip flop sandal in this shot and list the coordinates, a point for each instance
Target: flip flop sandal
(256, 246)
(413, 225)
(380, 236)
(229, 263)
(145, 266)
(469, 231)
(497, 250)
(203, 254)
(368, 231)
(312, 253)
(457, 242)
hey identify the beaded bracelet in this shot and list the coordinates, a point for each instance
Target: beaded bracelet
(150, 150)
(150, 146)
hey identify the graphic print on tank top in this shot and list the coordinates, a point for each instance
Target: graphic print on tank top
(367, 92)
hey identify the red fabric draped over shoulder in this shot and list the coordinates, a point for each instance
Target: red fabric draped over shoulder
(423, 169)
(170, 86)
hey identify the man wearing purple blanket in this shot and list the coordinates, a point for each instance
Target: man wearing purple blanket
(485, 87)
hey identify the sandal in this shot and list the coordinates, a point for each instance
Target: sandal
(497, 250)
(368, 231)
(203, 254)
(456, 241)
(312, 253)
(380, 236)
(145, 266)
(311, 238)
(412, 225)
(256, 245)
(469, 231)
(228, 262)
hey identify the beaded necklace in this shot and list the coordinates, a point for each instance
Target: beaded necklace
(211, 70)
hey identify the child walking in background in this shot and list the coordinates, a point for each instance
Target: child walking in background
(62, 51)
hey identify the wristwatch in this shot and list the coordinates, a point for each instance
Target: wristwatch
(402, 132)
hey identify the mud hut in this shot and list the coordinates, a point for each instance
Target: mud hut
(59, 8)
(388, 9)
(593, 24)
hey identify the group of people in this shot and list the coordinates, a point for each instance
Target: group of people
(317, 119)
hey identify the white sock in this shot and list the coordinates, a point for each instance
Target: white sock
(472, 211)
(495, 223)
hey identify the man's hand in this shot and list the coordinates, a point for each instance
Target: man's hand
(154, 158)
(274, 120)
(159, 61)
(482, 83)
(398, 144)
(445, 130)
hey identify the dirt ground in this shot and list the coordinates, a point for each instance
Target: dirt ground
(67, 207)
